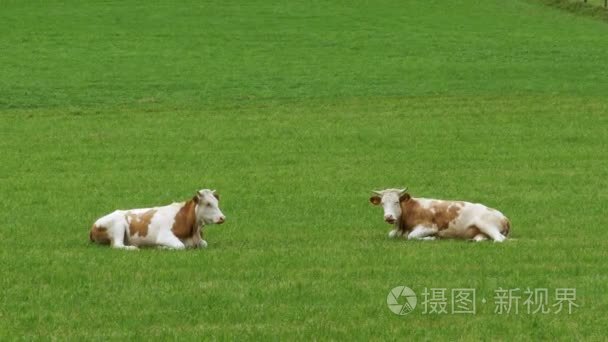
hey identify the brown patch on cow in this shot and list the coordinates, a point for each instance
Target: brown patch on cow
(99, 235)
(445, 213)
(185, 221)
(138, 224)
(471, 232)
(441, 214)
(412, 214)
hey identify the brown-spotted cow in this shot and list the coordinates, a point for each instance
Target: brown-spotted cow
(427, 219)
(177, 225)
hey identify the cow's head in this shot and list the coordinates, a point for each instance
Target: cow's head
(208, 202)
(391, 202)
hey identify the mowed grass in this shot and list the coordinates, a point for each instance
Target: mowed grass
(294, 111)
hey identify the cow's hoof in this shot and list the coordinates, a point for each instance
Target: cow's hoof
(203, 244)
(393, 234)
(131, 248)
(500, 239)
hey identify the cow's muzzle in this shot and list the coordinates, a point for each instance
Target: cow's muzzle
(221, 220)
(390, 219)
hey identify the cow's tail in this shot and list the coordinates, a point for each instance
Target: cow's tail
(93, 233)
(506, 227)
(99, 234)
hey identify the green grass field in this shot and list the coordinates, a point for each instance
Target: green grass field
(294, 111)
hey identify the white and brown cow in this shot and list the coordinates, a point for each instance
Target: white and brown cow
(177, 225)
(427, 219)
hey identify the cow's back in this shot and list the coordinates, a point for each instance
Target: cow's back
(475, 214)
(432, 213)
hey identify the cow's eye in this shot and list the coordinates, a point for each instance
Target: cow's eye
(396, 202)
(209, 205)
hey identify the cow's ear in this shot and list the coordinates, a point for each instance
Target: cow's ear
(404, 197)
(197, 197)
(375, 200)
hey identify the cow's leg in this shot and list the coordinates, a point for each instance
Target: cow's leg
(119, 232)
(169, 240)
(480, 237)
(492, 231)
(202, 243)
(196, 241)
(395, 233)
(422, 233)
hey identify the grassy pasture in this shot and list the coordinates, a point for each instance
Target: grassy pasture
(294, 111)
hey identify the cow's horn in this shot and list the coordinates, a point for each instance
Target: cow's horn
(402, 191)
(376, 193)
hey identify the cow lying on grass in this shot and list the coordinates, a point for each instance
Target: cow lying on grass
(427, 219)
(177, 225)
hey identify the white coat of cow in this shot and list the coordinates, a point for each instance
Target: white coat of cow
(177, 225)
(427, 219)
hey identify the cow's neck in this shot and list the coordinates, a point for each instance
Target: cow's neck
(200, 223)
(408, 211)
(401, 224)
(186, 220)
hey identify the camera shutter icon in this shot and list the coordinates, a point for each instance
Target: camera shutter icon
(401, 300)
